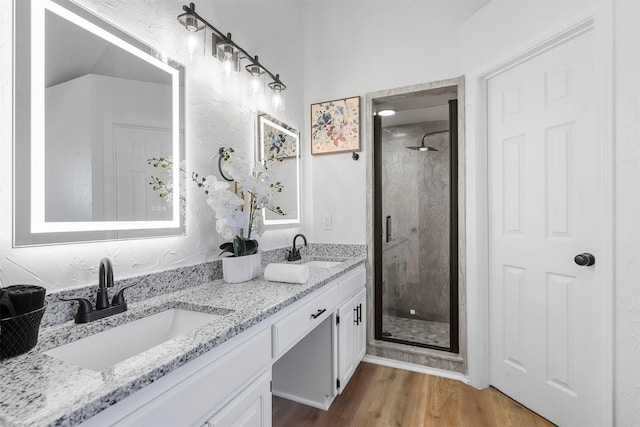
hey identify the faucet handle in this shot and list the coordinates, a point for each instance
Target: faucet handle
(118, 298)
(291, 255)
(84, 305)
(294, 255)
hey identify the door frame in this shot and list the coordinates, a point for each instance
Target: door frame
(600, 22)
(412, 356)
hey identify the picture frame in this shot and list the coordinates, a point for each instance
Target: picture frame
(277, 139)
(335, 126)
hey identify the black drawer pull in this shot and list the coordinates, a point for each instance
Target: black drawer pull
(315, 316)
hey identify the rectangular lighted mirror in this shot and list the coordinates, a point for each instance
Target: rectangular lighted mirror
(98, 120)
(277, 140)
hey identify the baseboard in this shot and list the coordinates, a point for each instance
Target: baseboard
(416, 368)
(324, 405)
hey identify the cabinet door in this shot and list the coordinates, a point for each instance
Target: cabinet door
(361, 326)
(251, 408)
(346, 342)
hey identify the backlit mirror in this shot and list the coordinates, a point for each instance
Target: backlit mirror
(277, 140)
(98, 130)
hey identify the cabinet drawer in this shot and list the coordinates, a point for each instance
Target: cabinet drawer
(289, 330)
(197, 395)
(352, 282)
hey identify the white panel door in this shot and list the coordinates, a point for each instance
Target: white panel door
(135, 198)
(544, 210)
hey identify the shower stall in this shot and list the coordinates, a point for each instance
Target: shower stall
(416, 219)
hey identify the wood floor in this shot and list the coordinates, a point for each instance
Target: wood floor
(382, 396)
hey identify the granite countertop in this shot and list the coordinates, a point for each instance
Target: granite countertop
(38, 390)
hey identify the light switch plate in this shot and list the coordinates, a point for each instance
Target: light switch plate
(327, 222)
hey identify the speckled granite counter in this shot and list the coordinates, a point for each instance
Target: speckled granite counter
(38, 390)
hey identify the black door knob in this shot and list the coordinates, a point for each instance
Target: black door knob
(585, 259)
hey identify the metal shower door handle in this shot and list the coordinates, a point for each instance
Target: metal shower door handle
(585, 259)
(388, 228)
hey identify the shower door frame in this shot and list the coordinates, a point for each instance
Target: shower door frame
(454, 253)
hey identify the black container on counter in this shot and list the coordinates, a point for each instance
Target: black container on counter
(21, 310)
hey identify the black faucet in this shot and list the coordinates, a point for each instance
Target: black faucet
(86, 313)
(105, 280)
(294, 254)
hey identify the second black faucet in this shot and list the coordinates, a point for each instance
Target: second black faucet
(294, 254)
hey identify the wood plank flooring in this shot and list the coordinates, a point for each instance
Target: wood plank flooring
(382, 396)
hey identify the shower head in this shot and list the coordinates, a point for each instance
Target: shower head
(422, 146)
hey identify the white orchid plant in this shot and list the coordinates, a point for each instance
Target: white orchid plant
(235, 216)
(164, 186)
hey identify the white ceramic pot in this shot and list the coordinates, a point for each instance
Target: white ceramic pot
(240, 269)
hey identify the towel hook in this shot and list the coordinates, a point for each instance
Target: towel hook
(220, 152)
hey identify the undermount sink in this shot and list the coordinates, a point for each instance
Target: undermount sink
(322, 264)
(105, 349)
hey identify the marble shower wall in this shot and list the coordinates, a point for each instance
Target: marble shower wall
(416, 196)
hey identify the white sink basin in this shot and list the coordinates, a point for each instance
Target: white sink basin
(322, 264)
(105, 349)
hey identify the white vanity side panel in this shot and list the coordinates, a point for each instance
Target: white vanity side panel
(351, 282)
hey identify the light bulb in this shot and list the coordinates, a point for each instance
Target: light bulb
(278, 100)
(192, 44)
(227, 59)
(255, 84)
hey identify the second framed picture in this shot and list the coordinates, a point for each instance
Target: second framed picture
(335, 126)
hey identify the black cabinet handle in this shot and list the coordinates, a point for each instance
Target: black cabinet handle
(359, 313)
(315, 316)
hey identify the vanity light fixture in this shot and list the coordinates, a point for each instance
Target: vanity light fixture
(278, 99)
(231, 54)
(190, 20)
(227, 52)
(256, 71)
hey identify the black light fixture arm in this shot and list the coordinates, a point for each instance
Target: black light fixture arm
(191, 9)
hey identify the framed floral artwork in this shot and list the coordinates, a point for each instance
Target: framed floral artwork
(279, 140)
(335, 126)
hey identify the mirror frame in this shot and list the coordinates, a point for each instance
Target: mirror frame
(262, 119)
(29, 139)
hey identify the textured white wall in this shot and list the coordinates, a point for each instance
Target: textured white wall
(218, 113)
(355, 47)
(504, 28)
(627, 213)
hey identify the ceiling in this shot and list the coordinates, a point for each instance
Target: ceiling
(72, 52)
(424, 106)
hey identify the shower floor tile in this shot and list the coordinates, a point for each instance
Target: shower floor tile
(414, 330)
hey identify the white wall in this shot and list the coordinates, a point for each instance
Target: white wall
(67, 132)
(504, 28)
(218, 113)
(627, 213)
(355, 47)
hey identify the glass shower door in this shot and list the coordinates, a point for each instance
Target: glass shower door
(416, 219)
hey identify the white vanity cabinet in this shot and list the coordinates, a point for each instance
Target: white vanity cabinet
(251, 408)
(220, 381)
(351, 325)
(301, 353)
